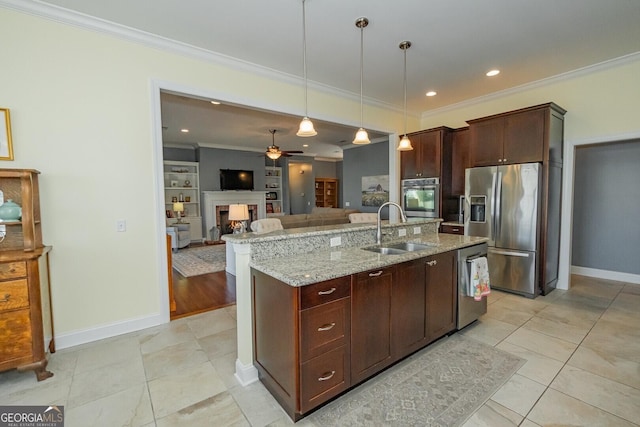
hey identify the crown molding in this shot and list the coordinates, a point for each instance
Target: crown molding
(590, 69)
(91, 23)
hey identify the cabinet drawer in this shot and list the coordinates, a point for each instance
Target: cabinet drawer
(452, 229)
(15, 335)
(323, 378)
(14, 294)
(12, 270)
(324, 328)
(323, 292)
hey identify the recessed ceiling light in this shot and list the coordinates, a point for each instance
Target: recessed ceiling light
(305, 145)
(492, 73)
(215, 102)
(432, 93)
(184, 130)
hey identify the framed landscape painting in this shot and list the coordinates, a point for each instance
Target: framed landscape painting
(375, 190)
(6, 147)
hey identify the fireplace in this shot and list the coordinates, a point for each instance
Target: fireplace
(216, 209)
(222, 218)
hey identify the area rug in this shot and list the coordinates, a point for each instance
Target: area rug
(199, 260)
(442, 385)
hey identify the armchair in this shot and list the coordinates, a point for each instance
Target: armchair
(180, 236)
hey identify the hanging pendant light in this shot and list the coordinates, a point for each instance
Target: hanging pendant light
(361, 136)
(405, 143)
(306, 126)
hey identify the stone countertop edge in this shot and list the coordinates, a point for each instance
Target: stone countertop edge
(321, 265)
(253, 237)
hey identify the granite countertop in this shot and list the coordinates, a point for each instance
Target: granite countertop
(321, 265)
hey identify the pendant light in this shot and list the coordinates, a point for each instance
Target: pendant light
(361, 136)
(405, 143)
(273, 151)
(306, 126)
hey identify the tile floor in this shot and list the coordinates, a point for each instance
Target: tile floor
(582, 349)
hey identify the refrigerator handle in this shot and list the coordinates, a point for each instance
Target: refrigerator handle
(498, 208)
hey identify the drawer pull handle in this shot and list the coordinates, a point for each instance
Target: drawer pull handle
(455, 229)
(330, 291)
(327, 376)
(326, 327)
(6, 298)
(432, 263)
(375, 274)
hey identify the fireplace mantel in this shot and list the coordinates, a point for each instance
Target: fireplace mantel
(212, 199)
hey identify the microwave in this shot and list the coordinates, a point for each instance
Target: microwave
(421, 197)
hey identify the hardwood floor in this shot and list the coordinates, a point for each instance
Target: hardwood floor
(206, 292)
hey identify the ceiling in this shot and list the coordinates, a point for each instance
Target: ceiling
(454, 43)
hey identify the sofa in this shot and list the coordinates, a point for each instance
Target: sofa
(318, 216)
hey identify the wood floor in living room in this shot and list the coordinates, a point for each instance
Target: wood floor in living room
(197, 294)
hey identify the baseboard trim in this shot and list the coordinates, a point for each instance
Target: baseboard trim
(75, 338)
(606, 274)
(245, 374)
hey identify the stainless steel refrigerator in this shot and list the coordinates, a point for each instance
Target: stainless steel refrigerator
(503, 204)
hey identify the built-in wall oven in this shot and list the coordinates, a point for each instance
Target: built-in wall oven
(421, 197)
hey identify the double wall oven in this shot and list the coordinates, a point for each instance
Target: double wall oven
(421, 197)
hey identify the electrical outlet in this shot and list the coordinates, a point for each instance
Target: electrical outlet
(121, 225)
(336, 241)
(3, 231)
(347, 203)
(402, 232)
(416, 230)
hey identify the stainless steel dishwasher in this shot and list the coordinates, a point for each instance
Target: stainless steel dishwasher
(469, 309)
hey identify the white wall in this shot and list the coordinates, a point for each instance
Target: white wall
(602, 103)
(83, 106)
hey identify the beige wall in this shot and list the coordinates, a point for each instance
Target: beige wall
(82, 110)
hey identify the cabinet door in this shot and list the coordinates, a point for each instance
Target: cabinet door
(408, 310)
(460, 160)
(408, 160)
(370, 322)
(486, 142)
(524, 137)
(430, 154)
(441, 294)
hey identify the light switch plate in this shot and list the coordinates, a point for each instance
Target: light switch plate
(416, 230)
(336, 241)
(402, 232)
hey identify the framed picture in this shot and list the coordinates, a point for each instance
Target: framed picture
(6, 146)
(174, 183)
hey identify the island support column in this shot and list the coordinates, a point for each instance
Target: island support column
(246, 373)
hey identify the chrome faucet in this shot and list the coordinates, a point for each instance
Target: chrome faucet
(379, 230)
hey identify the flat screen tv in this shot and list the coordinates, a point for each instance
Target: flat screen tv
(235, 179)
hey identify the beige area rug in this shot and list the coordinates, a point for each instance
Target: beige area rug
(199, 260)
(442, 385)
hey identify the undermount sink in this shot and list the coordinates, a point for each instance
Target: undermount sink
(385, 251)
(398, 248)
(410, 246)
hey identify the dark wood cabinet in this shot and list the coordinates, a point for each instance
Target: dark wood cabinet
(452, 229)
(371, 322)
(430, 156)
(302, 340)
(460, 160)
(313, 342)
(521, 136)
(441, 294)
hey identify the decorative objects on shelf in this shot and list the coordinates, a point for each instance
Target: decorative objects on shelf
(361, 136)
(10, 211)
(6, 146)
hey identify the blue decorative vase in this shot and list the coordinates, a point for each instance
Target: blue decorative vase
(10, 211)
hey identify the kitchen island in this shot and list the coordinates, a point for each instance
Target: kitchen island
(300, 258)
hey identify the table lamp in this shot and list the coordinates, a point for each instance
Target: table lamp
(178, 208)
(238, 214)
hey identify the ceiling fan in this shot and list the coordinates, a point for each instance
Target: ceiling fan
(273, 151)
